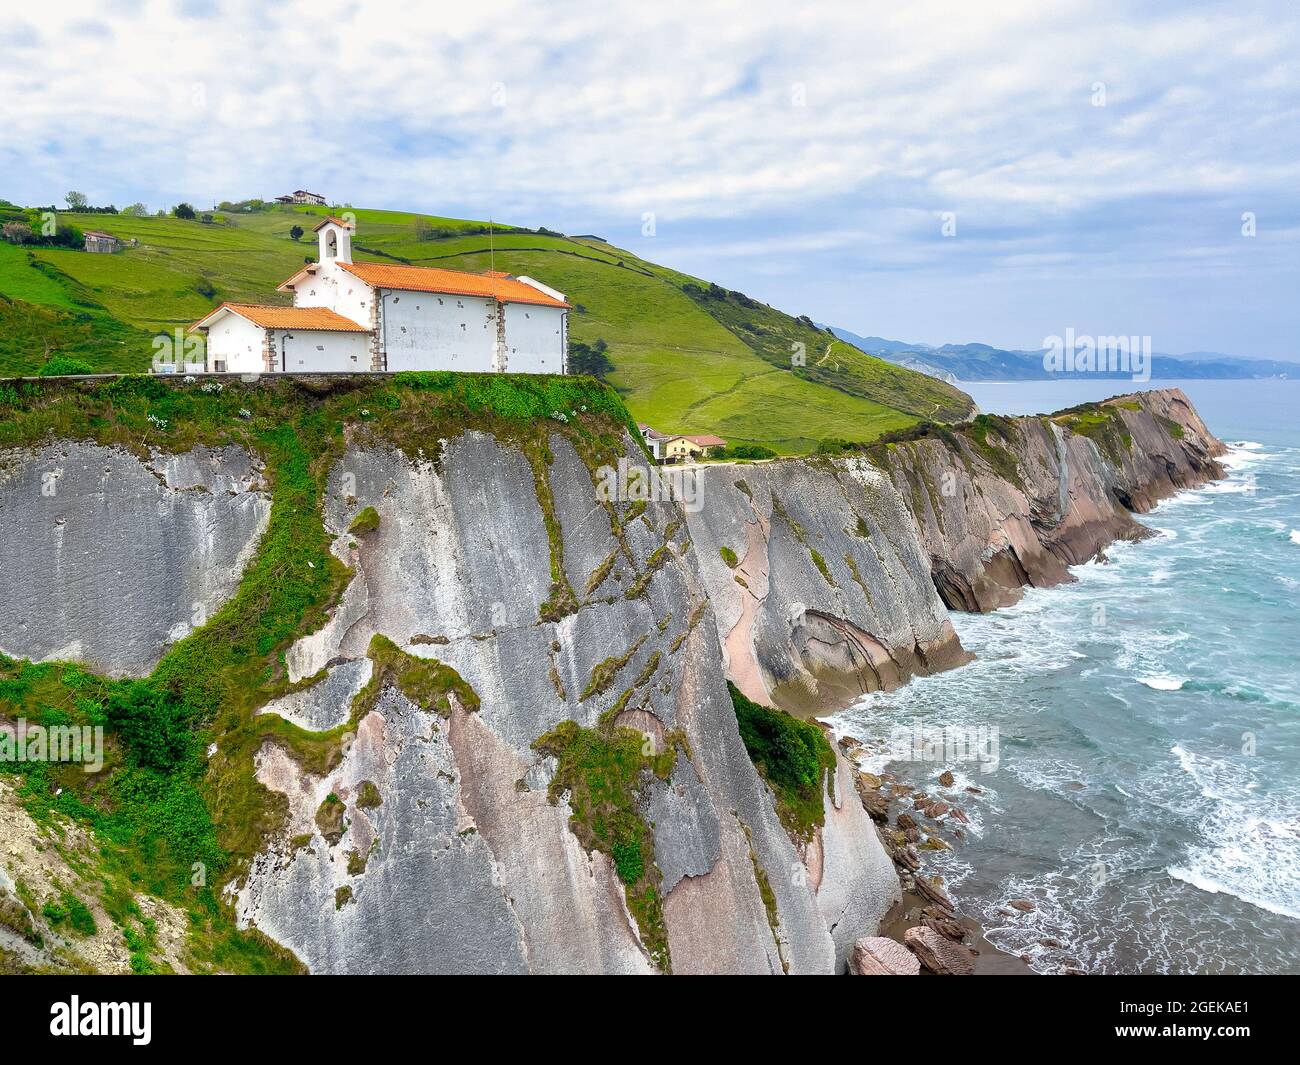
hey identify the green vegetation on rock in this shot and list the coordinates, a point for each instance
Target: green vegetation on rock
(425, 681)
(365, 522)
(795, 759)
(168, 819)
(604, 772)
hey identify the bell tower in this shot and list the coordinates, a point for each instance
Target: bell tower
(335, 238)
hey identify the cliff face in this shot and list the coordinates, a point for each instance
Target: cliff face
(107, 560)
(519, 668)
(820, 591)
(464, 863)
(1013, 502)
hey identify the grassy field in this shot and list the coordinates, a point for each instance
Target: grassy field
(687, 356)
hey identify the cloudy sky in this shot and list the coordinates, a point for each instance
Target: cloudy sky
(994, 171)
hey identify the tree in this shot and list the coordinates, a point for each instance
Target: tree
(76, 201)
(589, 359)
(135, 210)
(296, 232)
(183, 210)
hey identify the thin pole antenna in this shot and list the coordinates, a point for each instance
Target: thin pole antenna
(492, 251)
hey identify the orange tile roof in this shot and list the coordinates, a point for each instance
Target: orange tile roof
(269, 317)
(450, 282)
(328, 219)
(703, 439)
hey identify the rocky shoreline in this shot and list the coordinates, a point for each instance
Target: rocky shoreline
(926, 921)
(1055, 492)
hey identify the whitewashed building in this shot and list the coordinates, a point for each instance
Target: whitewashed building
(385, 317)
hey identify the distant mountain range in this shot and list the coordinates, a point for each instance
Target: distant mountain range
(982, 362)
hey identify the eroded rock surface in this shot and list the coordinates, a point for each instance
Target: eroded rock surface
(1045, 493)
(108, 560)
(878, 956)
(467, 864)
(819, 588)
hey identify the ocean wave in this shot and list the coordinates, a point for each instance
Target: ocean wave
(1251, 841)
(1295, 536)
(1200, 880)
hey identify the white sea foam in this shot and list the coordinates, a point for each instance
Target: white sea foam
(1295, 536)
(1200, 880)
(1163, 684)
(1251, 847)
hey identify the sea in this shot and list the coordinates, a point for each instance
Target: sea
(1139, 779)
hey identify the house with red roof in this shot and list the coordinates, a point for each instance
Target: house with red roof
(667, 447)
(385, 317)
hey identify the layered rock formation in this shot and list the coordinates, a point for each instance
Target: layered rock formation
(465, 864)
(819, 589)
(447, 837)
(1011, 502)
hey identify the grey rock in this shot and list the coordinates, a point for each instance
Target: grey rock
(327, 703)
(108, 560)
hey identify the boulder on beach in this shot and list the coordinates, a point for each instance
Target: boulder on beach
(876, 805)
(946, 779)
(932, 889)
(944, 923)
(938, 954)
(878, 956)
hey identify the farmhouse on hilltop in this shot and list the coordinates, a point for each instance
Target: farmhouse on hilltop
(382, 317)
(302, 196)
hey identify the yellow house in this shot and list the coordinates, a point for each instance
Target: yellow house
(678, 448)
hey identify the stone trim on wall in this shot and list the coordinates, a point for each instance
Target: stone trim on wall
(500, 352)
(377, 344)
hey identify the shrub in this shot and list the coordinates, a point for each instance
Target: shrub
(74, 911)
(628, 862)
(743, 451)
(589, 359)
(62, 366)
(154, 723)
(183, 210)
(792, 756)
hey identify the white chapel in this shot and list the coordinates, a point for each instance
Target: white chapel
(358, 317)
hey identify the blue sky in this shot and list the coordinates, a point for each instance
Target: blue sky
(1094, 159)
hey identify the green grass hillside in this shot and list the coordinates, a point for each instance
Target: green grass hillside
(688, 356)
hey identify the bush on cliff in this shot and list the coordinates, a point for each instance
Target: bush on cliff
(793, 756)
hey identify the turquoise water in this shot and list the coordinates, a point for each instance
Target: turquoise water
(1146, 797)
